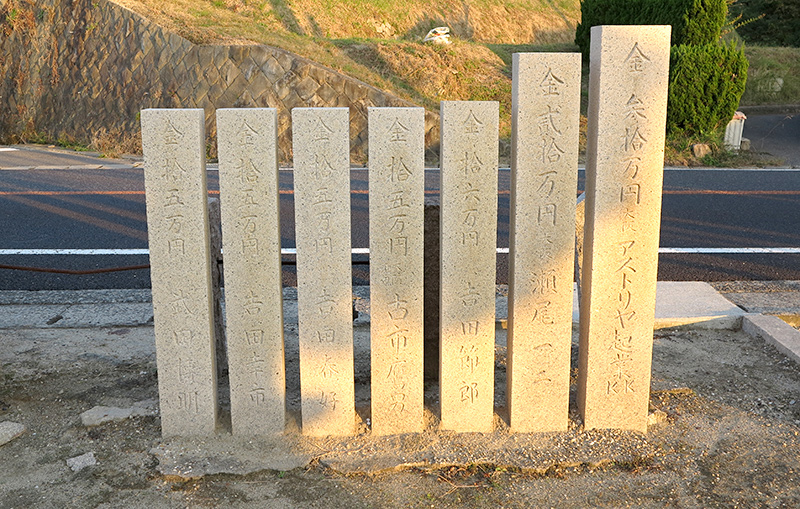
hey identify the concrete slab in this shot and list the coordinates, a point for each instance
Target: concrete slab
(678, 303)
(45, 316)
(694, 303)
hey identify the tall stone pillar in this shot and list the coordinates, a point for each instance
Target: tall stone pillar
(544, 179)
(324, 274)
(469, 153)
(173, 143)
(624, 170)
(396, 201)
(248, 181)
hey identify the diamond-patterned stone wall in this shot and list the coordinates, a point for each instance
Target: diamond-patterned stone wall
(73, 68)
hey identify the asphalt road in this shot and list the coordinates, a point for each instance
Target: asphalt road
(94, 207)
(778, 135)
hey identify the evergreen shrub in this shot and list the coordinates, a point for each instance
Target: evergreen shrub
(693, 21)
(705, 85)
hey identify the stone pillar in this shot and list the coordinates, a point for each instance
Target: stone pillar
(544, 177)
(624, 169)
(468, 258)
(396, 201)
(248, 181)
(173, 143)
(324, 293)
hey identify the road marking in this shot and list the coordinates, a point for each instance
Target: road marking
(365, 251)
(501, 192)
(8, 149)
(79, 252)
(730, 250)
(731, 193)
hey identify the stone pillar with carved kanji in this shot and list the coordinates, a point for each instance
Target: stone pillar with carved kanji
(624, 171)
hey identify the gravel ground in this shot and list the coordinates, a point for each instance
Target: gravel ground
(726, 432)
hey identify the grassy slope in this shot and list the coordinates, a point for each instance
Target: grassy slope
(379, 41)
(773, 77)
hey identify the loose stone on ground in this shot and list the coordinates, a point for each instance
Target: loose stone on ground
(98, 415)
(78, 463)
(10, 430)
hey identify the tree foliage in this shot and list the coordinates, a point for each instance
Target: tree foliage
(705, 85)
(693, 21)
(707, 77)
(779, 27)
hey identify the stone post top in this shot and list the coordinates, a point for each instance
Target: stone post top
(650, 32)
(557, 54)
(624, 28)
(481, 103)
(246, 109)
(173, 109)
(321, 108)
(394, 108)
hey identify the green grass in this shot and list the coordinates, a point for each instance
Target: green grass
(773, 77)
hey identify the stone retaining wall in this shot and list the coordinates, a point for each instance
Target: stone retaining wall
(83, 68)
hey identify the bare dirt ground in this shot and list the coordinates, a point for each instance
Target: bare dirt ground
(729, 436)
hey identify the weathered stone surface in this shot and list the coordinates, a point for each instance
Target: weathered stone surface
(177, 225)
(322, 225)
(397, 195)
(248, 180)
(468, 240)
(10, 431)
(98, 415)
(306, 88)
(78, 463)
(745, 144)
(624, 168)
(544, 176)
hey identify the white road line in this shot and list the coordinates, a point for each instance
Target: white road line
(8, 149)
(731, 250)
(583, 168)
(79, 252)
(365, 251)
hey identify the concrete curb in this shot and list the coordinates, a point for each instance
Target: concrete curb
(774, 331)
(678, 304)
(770, 109)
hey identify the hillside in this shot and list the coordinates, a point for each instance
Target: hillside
(380, 42)
(487, 21)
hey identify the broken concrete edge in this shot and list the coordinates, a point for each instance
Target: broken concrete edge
(10, 431)
(774, 331)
